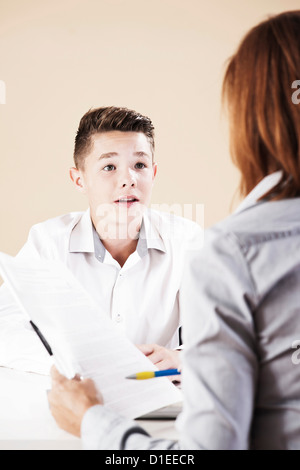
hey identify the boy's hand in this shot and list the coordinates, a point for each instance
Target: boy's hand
(162, 357)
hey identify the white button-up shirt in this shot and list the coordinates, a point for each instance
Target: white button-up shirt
(141, 297)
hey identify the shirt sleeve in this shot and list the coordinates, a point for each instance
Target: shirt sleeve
(103, 429)
(219, 362)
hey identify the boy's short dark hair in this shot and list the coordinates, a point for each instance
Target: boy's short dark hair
(108, 119)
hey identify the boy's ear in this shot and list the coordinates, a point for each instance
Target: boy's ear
(77, 179)
(154, 169)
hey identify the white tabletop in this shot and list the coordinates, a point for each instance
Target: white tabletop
(26, 422)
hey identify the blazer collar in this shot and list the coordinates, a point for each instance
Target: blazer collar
(267, 183)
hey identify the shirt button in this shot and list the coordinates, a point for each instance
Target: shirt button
(119, 318)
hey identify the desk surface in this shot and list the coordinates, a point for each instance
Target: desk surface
(26, 422)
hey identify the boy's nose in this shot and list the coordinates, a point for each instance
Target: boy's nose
(128, 180)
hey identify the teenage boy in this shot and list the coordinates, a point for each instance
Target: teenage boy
(128, 257)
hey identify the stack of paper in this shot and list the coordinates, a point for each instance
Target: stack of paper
(83, 338)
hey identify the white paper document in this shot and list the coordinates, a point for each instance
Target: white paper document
(83, 338)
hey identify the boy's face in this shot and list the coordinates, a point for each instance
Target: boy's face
(118, 177)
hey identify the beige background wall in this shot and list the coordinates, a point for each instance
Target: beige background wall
(164, 58)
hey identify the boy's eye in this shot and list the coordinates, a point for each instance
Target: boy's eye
(109, 168)
(140, 165)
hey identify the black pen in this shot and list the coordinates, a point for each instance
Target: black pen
(42, 338)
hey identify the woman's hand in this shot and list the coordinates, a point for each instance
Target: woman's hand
(70, 399)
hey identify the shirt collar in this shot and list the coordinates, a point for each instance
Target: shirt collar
(267, 183)
(85, 239)
(152, 230)
(81, 238)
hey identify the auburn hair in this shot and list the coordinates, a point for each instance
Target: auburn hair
(264, 120)
(108, 119)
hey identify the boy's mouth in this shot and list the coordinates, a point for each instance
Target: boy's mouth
(127, 200)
